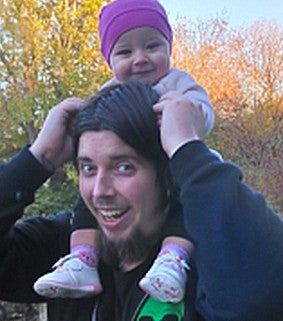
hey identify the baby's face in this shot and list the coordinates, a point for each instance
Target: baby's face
(141, 54)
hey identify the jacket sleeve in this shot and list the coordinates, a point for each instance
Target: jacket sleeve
(19, 179)
(182, 82)
(28, 248)
(238, 239)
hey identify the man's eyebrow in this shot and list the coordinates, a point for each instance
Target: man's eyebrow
(112, 157)
(123, 156)
(82, 159)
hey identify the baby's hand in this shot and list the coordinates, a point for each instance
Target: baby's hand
(180, 121)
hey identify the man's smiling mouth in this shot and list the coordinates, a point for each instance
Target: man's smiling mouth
(112, 214)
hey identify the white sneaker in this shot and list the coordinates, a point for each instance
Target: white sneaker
(166, 279)
(72, 278)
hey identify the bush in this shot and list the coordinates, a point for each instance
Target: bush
(57, 194)
(254, 141)
(18, 312)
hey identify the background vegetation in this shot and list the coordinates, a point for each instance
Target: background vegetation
(49, 50)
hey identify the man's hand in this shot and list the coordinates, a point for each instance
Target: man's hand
(53, 146)
(180, 121)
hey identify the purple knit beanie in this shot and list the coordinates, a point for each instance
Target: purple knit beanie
(121, 16)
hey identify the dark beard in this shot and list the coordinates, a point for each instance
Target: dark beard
(134, 248)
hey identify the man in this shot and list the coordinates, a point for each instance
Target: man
(237, 272)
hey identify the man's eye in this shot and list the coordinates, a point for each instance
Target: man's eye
(125, 168)
(86, 168)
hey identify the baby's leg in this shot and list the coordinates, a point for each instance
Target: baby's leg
(166, 279)
(75, 275)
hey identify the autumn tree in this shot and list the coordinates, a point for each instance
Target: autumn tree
(242, 70)
(202, 49)
(261, 69)
(49, 50)
(239, 67)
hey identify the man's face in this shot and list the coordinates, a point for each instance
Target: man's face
(141, 54)
(119, 186)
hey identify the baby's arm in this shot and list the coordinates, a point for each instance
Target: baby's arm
(111, 82)
(186, 86)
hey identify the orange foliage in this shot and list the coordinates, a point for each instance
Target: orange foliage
(242, 71)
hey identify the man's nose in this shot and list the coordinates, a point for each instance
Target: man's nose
(103, 185)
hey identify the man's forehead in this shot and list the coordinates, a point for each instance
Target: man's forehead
(104, 143)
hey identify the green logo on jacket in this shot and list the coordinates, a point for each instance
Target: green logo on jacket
(154, 310)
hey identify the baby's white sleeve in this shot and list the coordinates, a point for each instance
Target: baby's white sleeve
(184, 83)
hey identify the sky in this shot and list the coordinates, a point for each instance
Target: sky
(238, 12)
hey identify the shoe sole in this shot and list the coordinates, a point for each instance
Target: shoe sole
(58, 290)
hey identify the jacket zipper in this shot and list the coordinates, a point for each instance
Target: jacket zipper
(139, 306)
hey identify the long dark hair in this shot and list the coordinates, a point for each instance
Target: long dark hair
(126, 110)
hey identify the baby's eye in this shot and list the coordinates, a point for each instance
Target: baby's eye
(152, 45)
(123, 52)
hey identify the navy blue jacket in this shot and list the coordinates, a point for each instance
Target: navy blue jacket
(237, 266)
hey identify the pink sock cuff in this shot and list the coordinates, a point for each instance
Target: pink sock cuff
(85, 248)
(177, 249)
(87, 254)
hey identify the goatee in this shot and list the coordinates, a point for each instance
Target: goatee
(134, 248)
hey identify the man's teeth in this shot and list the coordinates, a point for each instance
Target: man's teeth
(110, 214)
